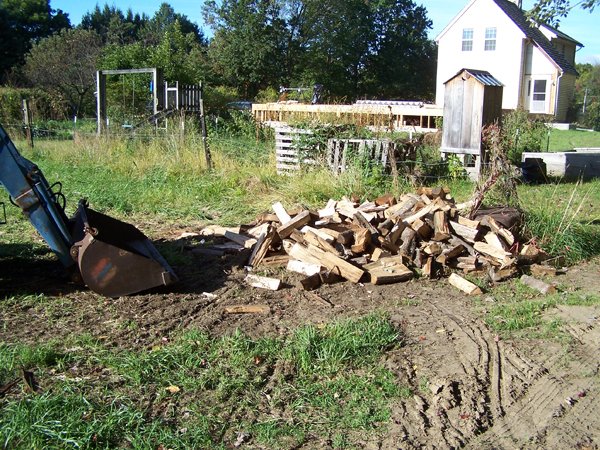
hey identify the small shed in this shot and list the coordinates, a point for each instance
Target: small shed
(473, 99)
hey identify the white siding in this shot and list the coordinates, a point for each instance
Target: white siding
(504, 63)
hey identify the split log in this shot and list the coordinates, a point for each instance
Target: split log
(379, 253)
(303, 268)
(450, 253)
(362, 240)
(262, 247)
(281, 213)
(319, 232)
(386, 199)
(468, 222)
(500, 255)
(493, 239)
(440, 223)
(469, 234)
(312, 254)
(272, 284)
(423, 229)
(493, 225)
(216, 230)
(312, 238)
(406, 204)
(299, 221)
(245, 241)
(464, 285)
(275, 260)
(408, 240)
(497, 275)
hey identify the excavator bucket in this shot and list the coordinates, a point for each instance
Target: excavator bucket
(114, 257)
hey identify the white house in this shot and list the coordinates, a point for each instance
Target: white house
(536, 65)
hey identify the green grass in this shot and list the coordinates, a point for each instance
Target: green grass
(324, 382)
(519, 311)
(561, 140)
(564, 218)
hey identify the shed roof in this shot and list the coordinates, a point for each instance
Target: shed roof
(483, 76)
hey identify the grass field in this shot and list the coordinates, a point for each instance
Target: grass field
(328, 383)
(561, 140)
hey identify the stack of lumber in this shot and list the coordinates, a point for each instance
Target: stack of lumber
(383, 241)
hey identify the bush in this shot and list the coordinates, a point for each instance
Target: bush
(41, 104)
(592, 116)
(521, 134)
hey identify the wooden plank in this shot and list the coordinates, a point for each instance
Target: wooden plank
(298, 221)
(272, 284)
(312, 254)
(247, 309)
(464, 285)
(281, 213)
(244, 241)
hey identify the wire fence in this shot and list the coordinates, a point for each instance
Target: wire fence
(423, 169)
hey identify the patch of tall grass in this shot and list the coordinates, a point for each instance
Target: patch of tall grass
(563, 218)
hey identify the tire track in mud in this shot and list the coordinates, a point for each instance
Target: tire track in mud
(560, 408)
(475, 379)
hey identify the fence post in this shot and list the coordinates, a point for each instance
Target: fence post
(27, 122)
(204, 133)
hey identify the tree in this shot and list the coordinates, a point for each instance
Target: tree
(245, 50)
(163, 20)
(587, 95)
(113, 25)
(22, 23)
(65, 63)
(551, 11)
(353, 47)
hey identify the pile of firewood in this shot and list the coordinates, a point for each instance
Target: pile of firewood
(383, 241)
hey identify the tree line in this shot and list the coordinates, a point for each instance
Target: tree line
(375, 49)
(355, 49)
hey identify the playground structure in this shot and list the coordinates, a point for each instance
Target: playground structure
(166, 99)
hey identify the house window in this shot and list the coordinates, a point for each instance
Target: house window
(467, 39)
(490, 39)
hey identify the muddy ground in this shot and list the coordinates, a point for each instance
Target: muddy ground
(483, 391)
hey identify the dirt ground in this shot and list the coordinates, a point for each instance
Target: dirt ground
(481, 391)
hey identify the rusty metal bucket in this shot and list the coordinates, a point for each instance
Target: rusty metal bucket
(114, 257)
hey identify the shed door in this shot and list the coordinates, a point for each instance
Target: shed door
(538, 94)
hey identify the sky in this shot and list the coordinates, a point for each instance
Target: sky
(580, 25)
